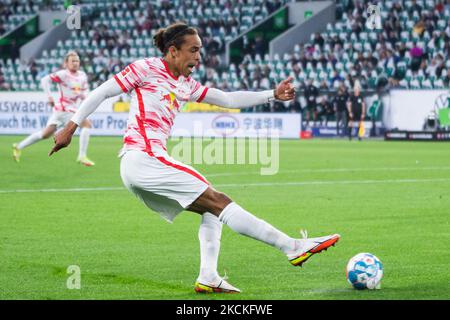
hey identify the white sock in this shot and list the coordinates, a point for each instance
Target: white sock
(209, 235)
(245, 223)
(84, 141)
(28, 141)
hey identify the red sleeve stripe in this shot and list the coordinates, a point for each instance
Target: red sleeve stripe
(55, 78)
(134, 71)
(202, 96)
(120, 84)
(141, 120)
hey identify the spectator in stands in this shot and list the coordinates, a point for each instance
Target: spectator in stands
(430, 23)
(325, 111)
(335, 40)
(247, 48)
(322, 59)
(415, 7)
(402, 49)
(392, 38)
(446, 49)
(446, 79)
(101, 58)
(416, 57)
(441, 40)
(419, 28)
(397, 7)
(440, 64)
(439, 7)
(280, 107)
(14, 49)
(259, 45)
(303, 59)
(43, 72)
(272, 6)
(336, 77)
(33, 69)
(318, 39)
(122, 41)
(2, 78)
(447, 29)
(389, 24)
(141, 19)
(332, 59)
(323, 85)
(359, 9)
(432, 67)
(225, 86)
(371, 62)
(295, 106)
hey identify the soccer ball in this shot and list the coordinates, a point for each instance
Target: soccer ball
(364, 271)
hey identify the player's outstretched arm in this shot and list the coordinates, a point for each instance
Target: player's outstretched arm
(242, 99)
(107, 90)
(46, 84)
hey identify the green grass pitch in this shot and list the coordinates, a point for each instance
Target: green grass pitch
(391, 199)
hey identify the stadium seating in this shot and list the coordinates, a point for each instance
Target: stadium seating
(126, 33)
(15, 12)
(391, 63)
(122, 32)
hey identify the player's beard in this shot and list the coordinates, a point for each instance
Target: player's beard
(187, 72)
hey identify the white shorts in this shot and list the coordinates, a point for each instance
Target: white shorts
(164, 184)
(59, 118)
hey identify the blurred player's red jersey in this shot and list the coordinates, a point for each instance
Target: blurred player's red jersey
(71, 87)
(156, 98)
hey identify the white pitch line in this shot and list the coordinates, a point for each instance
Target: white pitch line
(64, 190)
(329, 170)
(329, 182)
(257, 184)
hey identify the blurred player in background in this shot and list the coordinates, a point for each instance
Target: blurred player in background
(356, 111)
(340, 105)
(311, 93)
(159, 87)
(73, 87)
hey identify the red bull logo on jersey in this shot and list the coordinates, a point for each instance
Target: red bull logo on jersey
(171, 101)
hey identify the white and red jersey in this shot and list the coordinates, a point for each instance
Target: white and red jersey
(71, 87)
(156, 98)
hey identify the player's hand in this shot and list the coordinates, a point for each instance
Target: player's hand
(285, 90)
(64, 137)
(51, 102)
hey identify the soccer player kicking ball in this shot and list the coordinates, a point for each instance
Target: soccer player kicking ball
(159, 87)
(73, 85)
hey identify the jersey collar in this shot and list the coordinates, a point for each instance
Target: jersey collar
(168, 70)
